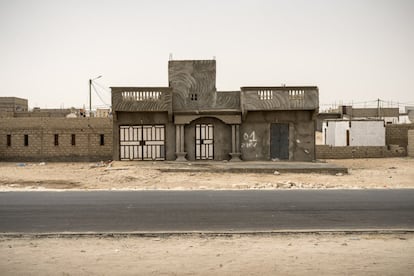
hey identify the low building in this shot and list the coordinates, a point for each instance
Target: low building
(55, 139)
(190, 120)
(339, 132)
(390, 115)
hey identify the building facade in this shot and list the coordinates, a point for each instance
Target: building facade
(55, 139)
(190, 120)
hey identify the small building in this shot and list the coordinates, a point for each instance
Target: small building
(103, 113)
(340, 132)
(190, 120)
(390, 115)
(10, 105)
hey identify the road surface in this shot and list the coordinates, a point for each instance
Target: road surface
(220, 211)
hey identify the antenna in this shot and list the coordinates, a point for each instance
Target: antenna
(171, 56)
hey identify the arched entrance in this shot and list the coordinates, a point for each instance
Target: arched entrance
(208, 138)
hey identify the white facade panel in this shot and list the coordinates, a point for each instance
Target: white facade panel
(353, 133)
(367, 133)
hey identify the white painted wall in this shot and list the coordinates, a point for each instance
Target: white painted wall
(361, 133)
(335, 132)
(367, 133)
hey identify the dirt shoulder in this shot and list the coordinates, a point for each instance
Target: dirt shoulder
(363, 173)
(281, 254)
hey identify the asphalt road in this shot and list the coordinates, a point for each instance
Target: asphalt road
(221, 211)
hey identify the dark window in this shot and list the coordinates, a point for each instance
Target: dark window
(56, 139)
(73, 139)
(8, 140)
(26, 140)
(102, 138)
(193, 97)
(347, 137)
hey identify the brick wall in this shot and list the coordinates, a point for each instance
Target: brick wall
(397, 134)
(329, 152)
(410, 146)
(41, 137)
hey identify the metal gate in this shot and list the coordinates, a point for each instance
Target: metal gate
(279, 141)
(204, 141)
(144, 142)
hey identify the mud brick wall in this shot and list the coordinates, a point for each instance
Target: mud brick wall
(397, 134)
(41, 139)
(410, 146)
(329, 152)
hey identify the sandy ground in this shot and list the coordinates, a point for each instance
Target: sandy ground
(363, 173)
(276, 254)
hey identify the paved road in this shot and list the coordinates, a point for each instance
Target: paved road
(205, 210)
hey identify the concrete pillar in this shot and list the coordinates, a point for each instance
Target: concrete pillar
(179, 143)
(235, 143)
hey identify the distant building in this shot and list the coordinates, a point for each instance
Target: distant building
(389, 114)
(190, 120)
(10, 105)
(103, 113)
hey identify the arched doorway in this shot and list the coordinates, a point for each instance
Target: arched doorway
(208, 138)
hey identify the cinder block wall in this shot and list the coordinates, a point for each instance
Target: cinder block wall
(410, 146)
(329, 152)
(41, 139)
(397, 134)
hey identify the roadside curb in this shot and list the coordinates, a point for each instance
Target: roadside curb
(332, 171)
(207, 233)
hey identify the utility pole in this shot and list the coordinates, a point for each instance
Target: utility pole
(90, 94)
(378, 108)
(90, 97)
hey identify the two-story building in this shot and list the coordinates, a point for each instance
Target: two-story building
(190, 120)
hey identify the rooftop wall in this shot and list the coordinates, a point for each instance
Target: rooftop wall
(147, 99)
(279, 98)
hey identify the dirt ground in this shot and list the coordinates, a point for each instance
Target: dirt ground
(363, 173)
(271, 254)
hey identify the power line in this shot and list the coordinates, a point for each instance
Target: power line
(99, 96)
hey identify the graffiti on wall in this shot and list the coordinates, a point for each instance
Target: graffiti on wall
(249, 140)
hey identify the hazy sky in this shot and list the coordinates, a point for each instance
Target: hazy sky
(353, 50)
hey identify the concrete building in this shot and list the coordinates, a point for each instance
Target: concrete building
(390, 115)
(339, 132)
(103, 113)
(55, 139)
(190, 120)
(10, 105)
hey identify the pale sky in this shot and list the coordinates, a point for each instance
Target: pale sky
(353, 50)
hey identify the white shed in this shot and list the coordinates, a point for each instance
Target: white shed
(339, 132)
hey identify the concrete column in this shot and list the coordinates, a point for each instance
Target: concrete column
(237, 138)
(182, 138)
(179, 143)
(235, 143)
(233, 138)
(177, 139)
